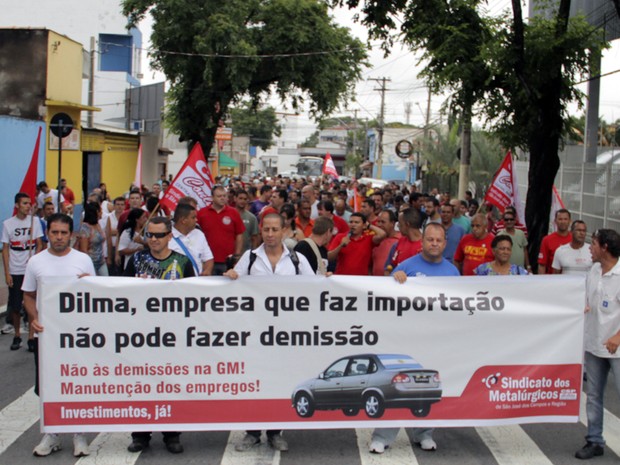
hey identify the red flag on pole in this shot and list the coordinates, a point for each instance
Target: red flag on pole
(137, 180)
(194, 179)
(29, 185)
(504, 190)
(328, 166)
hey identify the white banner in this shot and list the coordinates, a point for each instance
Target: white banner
(125, 354)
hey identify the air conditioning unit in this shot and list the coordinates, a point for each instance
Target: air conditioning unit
(137, 125)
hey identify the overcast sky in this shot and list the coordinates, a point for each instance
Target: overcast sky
(402, 69)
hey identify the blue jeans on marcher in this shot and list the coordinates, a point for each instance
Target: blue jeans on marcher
(597, 370)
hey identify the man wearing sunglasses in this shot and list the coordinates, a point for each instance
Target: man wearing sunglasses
(519, 240)
(158, 262)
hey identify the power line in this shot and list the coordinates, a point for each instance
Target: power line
(218, 55)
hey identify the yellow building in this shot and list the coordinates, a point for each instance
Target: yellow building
(46, 79)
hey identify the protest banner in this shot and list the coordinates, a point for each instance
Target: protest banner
(124, 354)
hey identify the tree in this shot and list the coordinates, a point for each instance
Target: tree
(215, 53)
(529, 73)
(453, 36)
(535, 66)
(260, 125)
(312, 140)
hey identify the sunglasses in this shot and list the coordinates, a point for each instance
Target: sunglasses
(156, 235)
(509, 219)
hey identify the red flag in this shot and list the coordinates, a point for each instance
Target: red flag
(194, 179)
(328, 166)
(504, 188)
(29, 185)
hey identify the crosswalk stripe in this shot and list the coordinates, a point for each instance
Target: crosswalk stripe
(110, 449)
(611, 426)
(510, 445)
(261, 454)
(17, 417)
(399, 452)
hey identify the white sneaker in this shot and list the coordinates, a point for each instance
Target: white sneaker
(50, 443)
(377, 447)
(428, 444)
(7, 329)
(80, 445)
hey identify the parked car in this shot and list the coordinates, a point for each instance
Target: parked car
(372, 382)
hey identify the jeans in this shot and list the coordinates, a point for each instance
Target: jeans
(597, 370)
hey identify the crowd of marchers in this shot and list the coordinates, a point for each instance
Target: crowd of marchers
(284, 226)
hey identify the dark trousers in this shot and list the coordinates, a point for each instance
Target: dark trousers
(270, 433)
(145, 436)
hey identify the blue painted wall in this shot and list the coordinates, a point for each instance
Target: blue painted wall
(17, 140)
(116, 52)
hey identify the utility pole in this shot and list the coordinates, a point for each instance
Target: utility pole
(355, 132)
(382, 89)
(91, 83)
(407, 112)
(428, 115)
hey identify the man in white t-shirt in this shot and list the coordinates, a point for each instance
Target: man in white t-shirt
(60, 259)
(49, 195)
(574, 257)
(191, 242)
(21, 239)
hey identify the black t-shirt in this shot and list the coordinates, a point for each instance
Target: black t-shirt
(305, 249)
(144, 264)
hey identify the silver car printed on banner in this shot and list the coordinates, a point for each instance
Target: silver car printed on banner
(372, 382)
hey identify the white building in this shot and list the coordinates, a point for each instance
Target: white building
(283, 155)
(118, 63)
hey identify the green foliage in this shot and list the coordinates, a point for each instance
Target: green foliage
(215, 53)
(312, 140)
(441, 155)
(513, 106)
(259, 124)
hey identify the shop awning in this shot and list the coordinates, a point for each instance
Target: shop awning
(226, 162)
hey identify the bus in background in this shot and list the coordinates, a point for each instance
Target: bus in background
(310, 166)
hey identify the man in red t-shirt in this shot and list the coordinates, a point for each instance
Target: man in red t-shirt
(223, 227)
(326, 209)
(475, 248)
(368, 209)
(354, 250)
(410, 243)
(387, 220)
(551, 242)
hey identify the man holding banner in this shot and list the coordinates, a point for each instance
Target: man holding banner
(602, 334)
(158, 262)
(429, 262)
(271, 258)
(60, 259)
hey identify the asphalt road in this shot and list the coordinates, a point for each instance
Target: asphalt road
(532, 444)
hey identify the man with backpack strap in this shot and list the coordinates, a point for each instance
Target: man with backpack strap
(271, 258)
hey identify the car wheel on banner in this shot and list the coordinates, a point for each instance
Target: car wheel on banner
(422, 411)
(304, 405)
(374, 405)
(350, 412)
